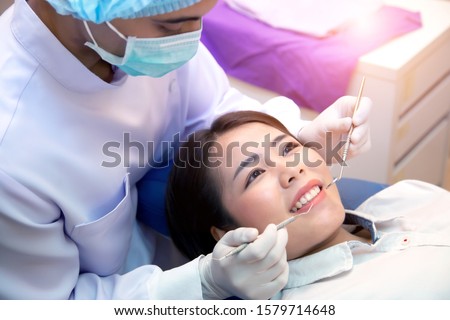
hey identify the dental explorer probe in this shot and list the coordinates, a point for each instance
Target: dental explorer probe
(347, 142)
(279, 226)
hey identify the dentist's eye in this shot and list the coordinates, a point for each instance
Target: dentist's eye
(170, 28)
(288, 147)
(253, 175)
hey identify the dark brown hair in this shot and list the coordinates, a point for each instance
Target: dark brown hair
(194, 194)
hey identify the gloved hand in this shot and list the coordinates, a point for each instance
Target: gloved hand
(336, 120)
(257, 272)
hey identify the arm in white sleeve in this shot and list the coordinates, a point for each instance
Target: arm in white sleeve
(146, 282)
(39, 261)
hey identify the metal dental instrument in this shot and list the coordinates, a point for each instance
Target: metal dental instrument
(347, 142)
(279, 226)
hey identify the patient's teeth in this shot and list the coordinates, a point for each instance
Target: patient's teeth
(307, 197)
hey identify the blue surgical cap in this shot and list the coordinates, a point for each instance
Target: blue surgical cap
(100, 11)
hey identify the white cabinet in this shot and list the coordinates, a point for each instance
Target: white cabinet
(408, 80)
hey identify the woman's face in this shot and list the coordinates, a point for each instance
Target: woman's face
(267, 177)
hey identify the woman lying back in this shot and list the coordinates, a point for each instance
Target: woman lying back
(249, 171)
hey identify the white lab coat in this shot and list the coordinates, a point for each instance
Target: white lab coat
(67, 211)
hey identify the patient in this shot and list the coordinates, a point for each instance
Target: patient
(249, 171)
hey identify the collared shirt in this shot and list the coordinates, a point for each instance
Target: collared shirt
(409, 257)
(72, 148)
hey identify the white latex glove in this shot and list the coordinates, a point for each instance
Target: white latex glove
(257, 272)
(336, 120)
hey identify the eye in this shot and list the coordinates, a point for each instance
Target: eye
(170, 28)
(288, 147)
(253, 175)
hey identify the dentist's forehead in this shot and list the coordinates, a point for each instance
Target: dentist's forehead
(100, 11)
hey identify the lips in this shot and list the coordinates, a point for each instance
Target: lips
(305, 196)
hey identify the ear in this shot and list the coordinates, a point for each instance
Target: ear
(217, 233)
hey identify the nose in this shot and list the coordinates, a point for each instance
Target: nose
(289, 174)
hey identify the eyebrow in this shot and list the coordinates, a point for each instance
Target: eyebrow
(179, 20)
(255, 157)
(247, 162)
(279, 138)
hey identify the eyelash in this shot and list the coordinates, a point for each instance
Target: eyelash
(291, 146)
(169, 29)
(288, 147)
(251, 177)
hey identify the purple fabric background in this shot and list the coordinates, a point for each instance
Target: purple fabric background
(311, 71)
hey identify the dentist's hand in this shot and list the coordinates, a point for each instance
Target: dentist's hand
(336, 120)
(257, 272)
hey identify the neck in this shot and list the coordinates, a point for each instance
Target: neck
(341, 235)
(72, 35)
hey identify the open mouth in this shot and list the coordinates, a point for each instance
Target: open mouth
(305, 199)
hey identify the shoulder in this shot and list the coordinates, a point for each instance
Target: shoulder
(407, 195)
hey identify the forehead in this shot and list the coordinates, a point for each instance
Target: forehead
(236, 145)
(250, 132)
(243, 141)
(140, 26)
(197, 10)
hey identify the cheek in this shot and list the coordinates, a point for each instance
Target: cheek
(255, 209)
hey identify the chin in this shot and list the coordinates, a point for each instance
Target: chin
(293, 256)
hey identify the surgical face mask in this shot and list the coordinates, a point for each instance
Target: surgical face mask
(153, 57)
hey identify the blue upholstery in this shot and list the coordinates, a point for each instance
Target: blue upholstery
(355, 191)
(152, 188)
(151, 199)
